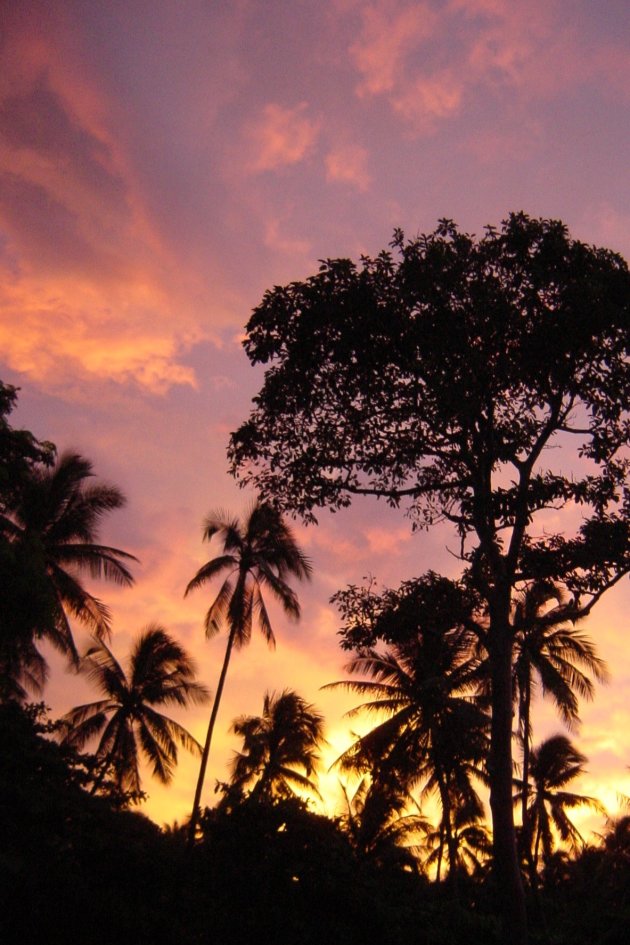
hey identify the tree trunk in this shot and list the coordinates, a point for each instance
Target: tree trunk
(194, 817)
(524, 720)
(506, 864)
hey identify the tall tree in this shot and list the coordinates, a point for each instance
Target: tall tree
(50, 530)
(259, 554)
(440, 374)
(280, 750)
(550, 651)
(127, 722)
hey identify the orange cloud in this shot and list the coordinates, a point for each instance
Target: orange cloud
(348, 165)
(89, 288)
(281, 137)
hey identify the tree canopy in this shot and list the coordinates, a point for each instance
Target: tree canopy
(441, 373)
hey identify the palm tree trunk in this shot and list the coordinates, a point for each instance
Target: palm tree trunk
(524, 710)
(194, 817)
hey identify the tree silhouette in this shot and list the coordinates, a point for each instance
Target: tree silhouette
(440, 374)
(554, 764)
(127, 722)
(435, 729)
(280, 750)
(549, 649)
(378, 825)
(50, 530)
(258, 554)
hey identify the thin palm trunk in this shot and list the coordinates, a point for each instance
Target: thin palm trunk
(438, 875)
(194, 817)
(524, 712)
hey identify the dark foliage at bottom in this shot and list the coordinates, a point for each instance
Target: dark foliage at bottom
(75, 868)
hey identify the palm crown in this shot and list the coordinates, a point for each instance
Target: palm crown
(127, 722)
(52, 526)
(280, 747)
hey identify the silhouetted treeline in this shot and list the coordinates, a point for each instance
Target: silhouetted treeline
(77, 868)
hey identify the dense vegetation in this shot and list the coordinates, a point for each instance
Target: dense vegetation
(368, 395)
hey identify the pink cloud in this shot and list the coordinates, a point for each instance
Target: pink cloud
(390, 32)
(348, 165)
(430, 99)
(281, 137)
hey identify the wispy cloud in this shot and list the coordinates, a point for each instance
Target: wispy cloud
(281, 136)
(348, 164)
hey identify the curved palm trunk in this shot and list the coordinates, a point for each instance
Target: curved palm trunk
(194, 817)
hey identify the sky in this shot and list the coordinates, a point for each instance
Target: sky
(162, 164)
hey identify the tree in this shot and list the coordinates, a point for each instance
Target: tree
(20, 451)
(280, 748)
(471, 843)
(435, 728)
(439, 375)
(21, 597)
(377, 826)
(50, 530)
(549, 649)
(258, 554)
(554, 763)
(127, 722)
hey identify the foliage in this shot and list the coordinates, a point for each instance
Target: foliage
(48, 539)
(280, 750)
(20, 451)
(127, 722)
(433, 727)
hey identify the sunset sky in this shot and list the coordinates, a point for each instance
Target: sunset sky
(163, 163)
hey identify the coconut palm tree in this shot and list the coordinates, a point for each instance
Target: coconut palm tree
(377, 825)
(280, 748)
(127, 722)
(435, 732)
(549, 650)
(50, 526)
(258, 554)
(554, 764)
(471, 842)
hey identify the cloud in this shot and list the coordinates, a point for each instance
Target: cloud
(88, 287)
(426, 59)
(429, 99)
(281, 137)
(390, 31)
(347, 164)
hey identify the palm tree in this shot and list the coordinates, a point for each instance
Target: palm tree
(471, 843)
(550, 650)
(258, 554)
(377, 826)
(554, 764)
(436, 727)
(280, 748)
(50, 526)
(127, 722)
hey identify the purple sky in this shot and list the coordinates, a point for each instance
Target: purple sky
(162, 164)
